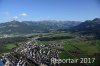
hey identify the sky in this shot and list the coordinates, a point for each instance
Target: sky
(36, 10)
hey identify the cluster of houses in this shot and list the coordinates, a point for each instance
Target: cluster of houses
(29, 54)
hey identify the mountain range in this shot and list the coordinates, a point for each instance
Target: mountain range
(88, 27)
(35, 26)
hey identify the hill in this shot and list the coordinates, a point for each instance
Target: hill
(89, 27)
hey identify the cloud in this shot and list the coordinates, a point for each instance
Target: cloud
(15, 17)
(24, 14)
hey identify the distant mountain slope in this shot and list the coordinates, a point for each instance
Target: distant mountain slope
(15, 27)
(35, 26)
(90, 27)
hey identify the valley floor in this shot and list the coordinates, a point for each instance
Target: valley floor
(74, 46)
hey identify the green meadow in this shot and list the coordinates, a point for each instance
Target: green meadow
(76, 47)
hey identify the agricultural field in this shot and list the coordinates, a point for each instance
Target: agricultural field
(6, 48)
(8, 44)
(75, 47)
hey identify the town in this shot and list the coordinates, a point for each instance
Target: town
(28, 54)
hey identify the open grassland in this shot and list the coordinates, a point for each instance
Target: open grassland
(10, 46)
(6, 48)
